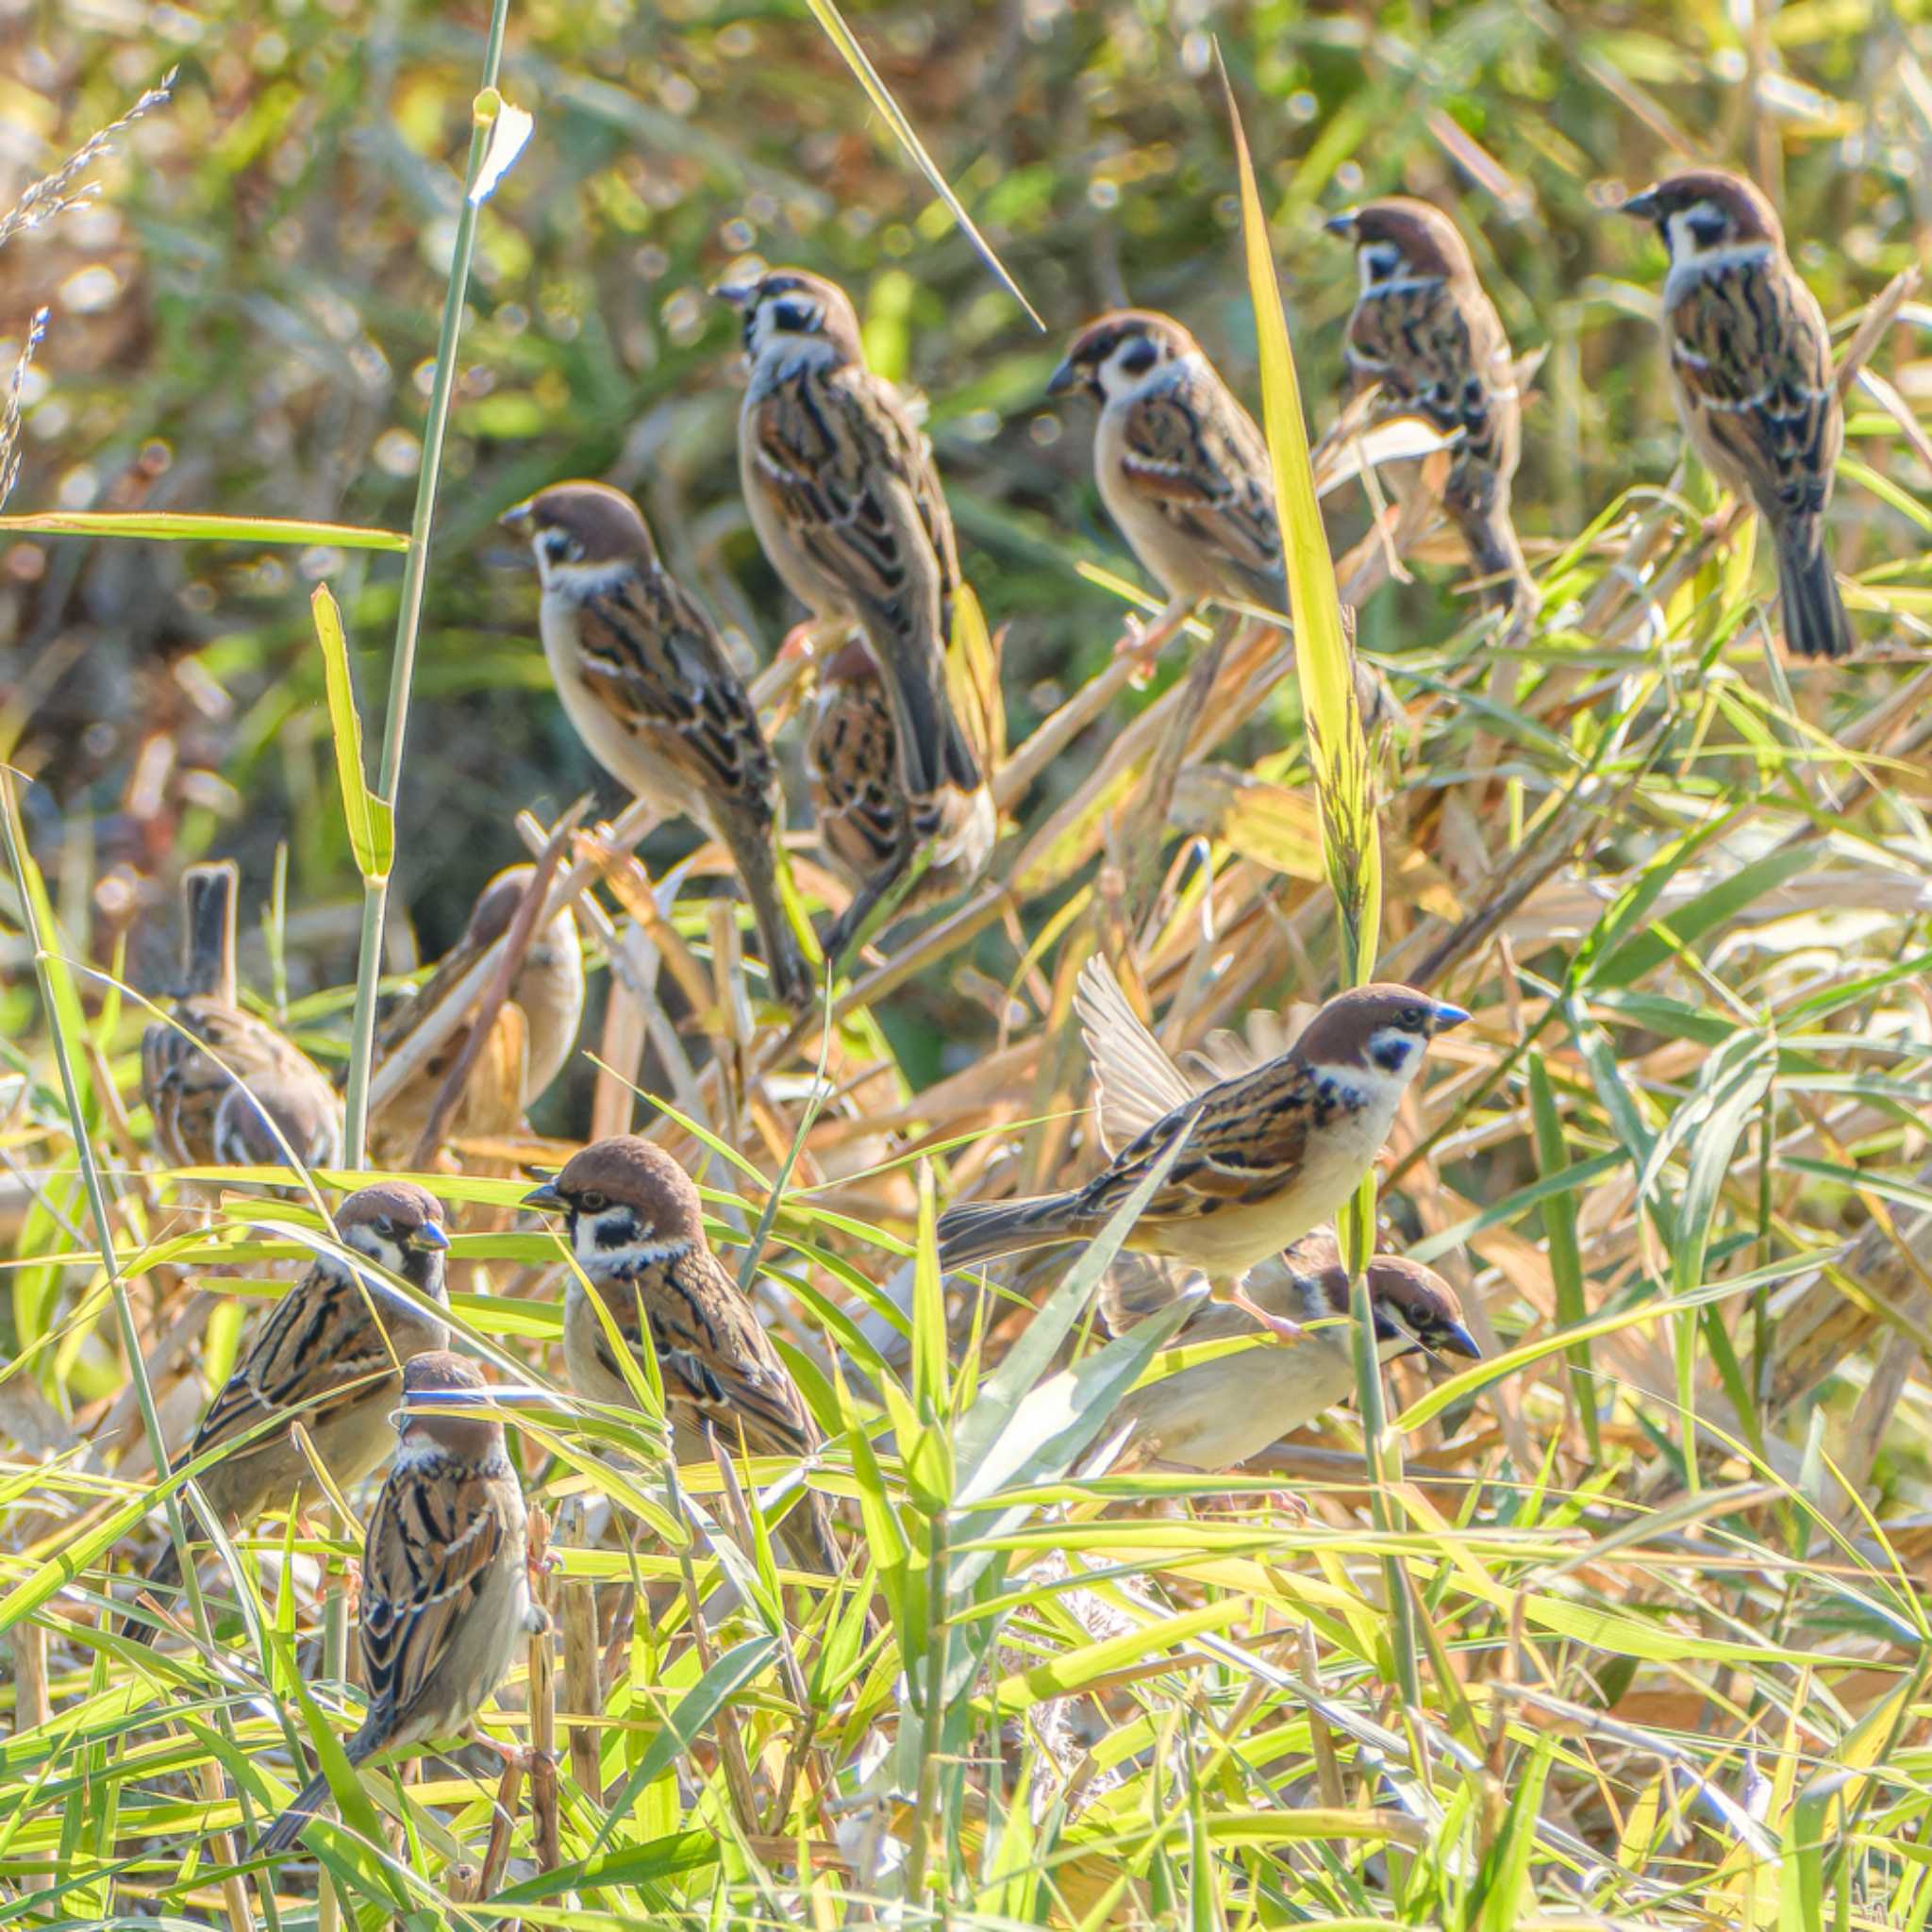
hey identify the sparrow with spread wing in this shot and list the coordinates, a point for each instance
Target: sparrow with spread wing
(637, 1229)
(644, 680)
(1751, 373)
(1425, 334)
(446, 1578)
(846, 501)
(1268, 1154)
(330, 1357)
(226, 1089)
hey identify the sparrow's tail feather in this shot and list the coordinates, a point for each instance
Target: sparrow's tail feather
(1497, 559)
(977, 1230)
(749, 842)
(1815, 621)
(280, 1837)
(165, 1576)
(806, 1536)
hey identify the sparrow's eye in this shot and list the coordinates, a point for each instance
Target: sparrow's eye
(798, 318)
(1137, 356)
(384, 1227)
(591, 1202)
(1414, 1019)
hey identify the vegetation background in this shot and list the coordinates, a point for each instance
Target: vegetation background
(1662, 1646)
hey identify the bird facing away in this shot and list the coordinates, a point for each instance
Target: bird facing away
(1217, 1414)
(846, 502)
(446, 1578)
(534, 1033)
(645, 683)
(1180, 464)
(226, 1089)
(864, 821)
(329, 1357)
(1270, 1154)
(1751, 373)
(637, 1229)
(1423, 333)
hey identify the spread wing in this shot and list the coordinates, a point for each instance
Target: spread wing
(316, 1356)
(650, 651)
(1753, 361)
(857, 483)
(1247, 1140)
(1136, 1083)
(432, 1544)
(1196, 455)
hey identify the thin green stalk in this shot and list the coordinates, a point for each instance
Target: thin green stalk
(415, 577)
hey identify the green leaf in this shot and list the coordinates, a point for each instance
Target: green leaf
(1566, 1260)
(179, 526)
(370, 820)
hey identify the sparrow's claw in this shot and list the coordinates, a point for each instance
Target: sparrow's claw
(1278, 1326)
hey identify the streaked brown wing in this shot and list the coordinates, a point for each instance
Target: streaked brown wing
(852, 771)
(1753, 358)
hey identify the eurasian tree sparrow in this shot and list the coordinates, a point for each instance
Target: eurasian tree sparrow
(329, 1357)
(644, 680)
(445, 1579)
(226, 1089)
(1751, 372)
(637, 1229)
(846, 501)
(1425, 334)
(1270, 1154)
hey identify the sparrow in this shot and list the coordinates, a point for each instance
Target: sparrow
(1215, 1415)
(1270, 1154)
(446, 1578)
(846, 502)
(852, 772)
(1751, 373)
(535, 1030)
(1425, 335)
(637, 1231)
(329, 1357)
(645, 683)
(1180, 464)
(226, 1089)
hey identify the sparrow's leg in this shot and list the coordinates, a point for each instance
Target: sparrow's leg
(1278, 1326)
(1143, 641)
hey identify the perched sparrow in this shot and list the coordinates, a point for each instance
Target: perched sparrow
(1217, 1414)
(536, 1028)
(1751, 371)
(637, 1229)
(846, 502)
(225, 1089)
(329, 1357)
(445, 1579)
(864, 825)
(1180, 464)
(1270, 1154)
(1427, 335)
(645, 679)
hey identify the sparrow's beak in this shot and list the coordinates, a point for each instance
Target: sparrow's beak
(1445, 1017)
(430, 1236)
(1063, 378)
(519, 518)
(546, 1199)
(1453, 1339)
(1640, 207)
(737, 293)
(1342, 223)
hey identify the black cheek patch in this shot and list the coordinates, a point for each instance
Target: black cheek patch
(1138, 358)
(1391, 1057)
(617, 1231)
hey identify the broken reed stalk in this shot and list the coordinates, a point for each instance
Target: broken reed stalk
(582, 1685)
(542, 1702)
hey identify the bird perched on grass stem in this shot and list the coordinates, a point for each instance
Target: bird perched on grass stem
(646, 682)
(846, 501)
(226, 1089)
(1269, 1155)
(535, 1030)
(329, 1357)
(637, 1229)
(445, 1579)
(1752, 375)
(1217, 1414)
(1423, 333)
